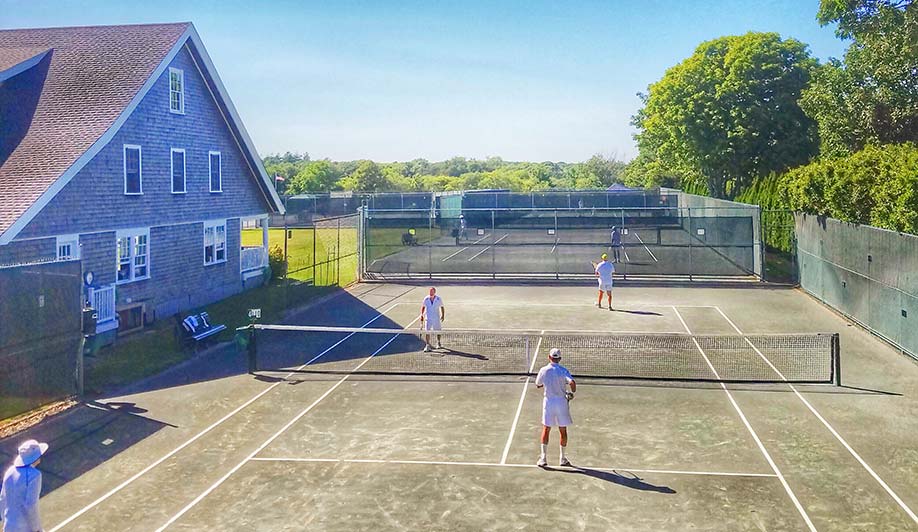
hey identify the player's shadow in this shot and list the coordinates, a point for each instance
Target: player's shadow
(639, 312)
(462, 354)
(614, 477)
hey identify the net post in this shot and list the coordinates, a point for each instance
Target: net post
(252, 350)
(836, 359)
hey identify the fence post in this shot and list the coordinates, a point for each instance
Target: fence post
(338, 256)
(315, 274)
(557, 241)
(429, 244)
(493, 249)
(690, 238)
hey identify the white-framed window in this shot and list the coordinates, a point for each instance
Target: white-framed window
(68, 247)
(176, 91)
(177, 155)
(133, 170)
(215, 160)
(133, 255)
(214, 242)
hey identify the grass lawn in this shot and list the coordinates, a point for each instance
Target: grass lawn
(155, 349)
(329, 244)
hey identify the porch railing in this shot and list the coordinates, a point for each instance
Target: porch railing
(253, 258)
(103, 300)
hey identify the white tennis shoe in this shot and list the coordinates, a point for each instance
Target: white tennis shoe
(542, 462)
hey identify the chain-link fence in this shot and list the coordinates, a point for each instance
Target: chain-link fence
(864, 272)
(40, 335)
(556, 243)
(323, 253)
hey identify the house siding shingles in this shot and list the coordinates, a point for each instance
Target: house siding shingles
(27, 251)
(94, 201)
(99, 256)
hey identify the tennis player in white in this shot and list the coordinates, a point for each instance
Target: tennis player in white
(556, 412)
(433, 314)
(604, 271)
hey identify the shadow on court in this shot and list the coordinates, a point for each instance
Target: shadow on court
(97, 431)
(633, 482)
(87, 436)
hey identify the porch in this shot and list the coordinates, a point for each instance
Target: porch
(253, 255)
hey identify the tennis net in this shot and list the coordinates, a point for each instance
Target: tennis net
(796, 358)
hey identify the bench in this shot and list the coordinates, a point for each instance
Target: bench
(198, 328)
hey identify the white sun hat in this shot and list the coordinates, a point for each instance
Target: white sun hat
(29, 452)
(554, 354)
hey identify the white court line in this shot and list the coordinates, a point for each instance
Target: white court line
(834, 432)
(487, 248)
(555, 246)
(519, 408)
(645, 246)
(465, 248)
(276, 435)
(534, 304)
(502, 464)
(172, 453)
(755, 436)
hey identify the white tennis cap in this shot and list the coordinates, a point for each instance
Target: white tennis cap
(554, 354)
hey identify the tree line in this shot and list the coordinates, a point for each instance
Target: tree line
(302, 175)
(750, 116)
(755, 116)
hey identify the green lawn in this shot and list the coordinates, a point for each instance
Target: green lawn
(329, 244)
(155, 349)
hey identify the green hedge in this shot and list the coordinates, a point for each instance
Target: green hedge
(877, 186)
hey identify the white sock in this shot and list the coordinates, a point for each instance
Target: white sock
(562, 451)
(544, 449)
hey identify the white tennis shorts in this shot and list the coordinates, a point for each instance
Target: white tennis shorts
(432, 325)
(605, 287)
(556, 412)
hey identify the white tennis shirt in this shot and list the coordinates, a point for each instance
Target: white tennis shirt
(605, 269)
(19, 499)
(432, 309)
(554, 377)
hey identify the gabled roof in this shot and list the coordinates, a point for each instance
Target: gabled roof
(95, 78)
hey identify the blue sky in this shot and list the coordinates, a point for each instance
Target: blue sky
(527, 80)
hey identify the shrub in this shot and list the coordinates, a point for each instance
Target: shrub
(277, 261)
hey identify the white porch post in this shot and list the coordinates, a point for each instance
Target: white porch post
(264, 232)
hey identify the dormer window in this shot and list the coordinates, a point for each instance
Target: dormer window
(176, 91)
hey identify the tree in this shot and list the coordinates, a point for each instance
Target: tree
(729, 112)
(316, 176)
(366, 178)
(871, 97)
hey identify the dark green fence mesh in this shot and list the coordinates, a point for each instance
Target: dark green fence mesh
(39, 335)
(864, 272)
